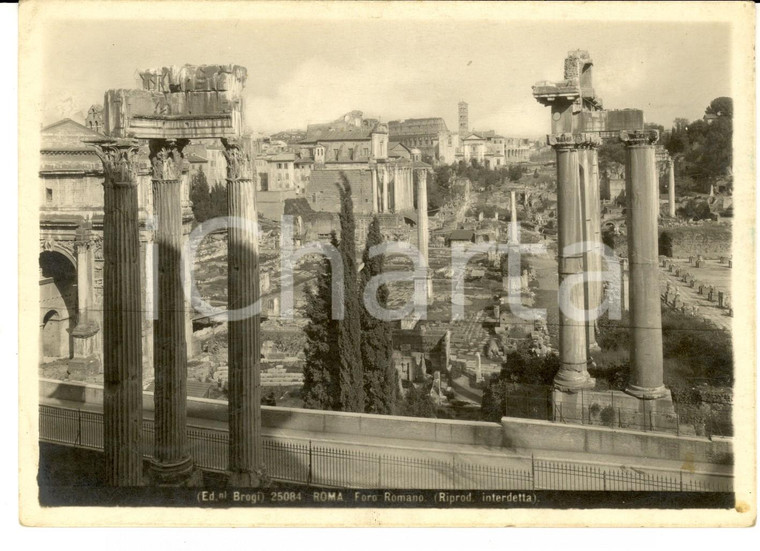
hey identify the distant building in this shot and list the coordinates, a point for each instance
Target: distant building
(94, 120)
(464, 118)
(359, 148)
(423, 134)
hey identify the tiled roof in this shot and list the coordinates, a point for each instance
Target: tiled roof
(297, 207)
(330, 132)
(461, 235)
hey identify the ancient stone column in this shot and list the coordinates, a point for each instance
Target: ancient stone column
(422, 226)
(172, 463)
(591, 258)
(671, 190)
(573, 374)
(596, 225)
(386, 204)
(513, 217)
(122, 315)
(84, 360)
(244, 344)
(646, 380)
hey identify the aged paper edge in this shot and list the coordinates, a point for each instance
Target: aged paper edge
(33, 17)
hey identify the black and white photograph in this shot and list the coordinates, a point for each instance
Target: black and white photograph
(422, 260)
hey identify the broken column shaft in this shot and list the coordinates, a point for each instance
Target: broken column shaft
(513, 217)
(122, 315)
(641, 188)
(573, 374)
(244, 385)
(172, 463)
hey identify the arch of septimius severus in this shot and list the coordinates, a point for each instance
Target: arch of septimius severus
(114, 276)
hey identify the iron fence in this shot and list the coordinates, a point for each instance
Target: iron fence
(318, 465)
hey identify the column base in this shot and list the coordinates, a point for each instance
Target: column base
(80, 369)
(646, 393)
(239, 479)
(573, 381)
(181, 474)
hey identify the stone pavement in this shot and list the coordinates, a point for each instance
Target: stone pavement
(712, 273)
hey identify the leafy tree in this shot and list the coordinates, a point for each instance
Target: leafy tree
(200, 195)
(352, 396)
(218, 200)
(417, 402)
(611, 153)
(722, 107)
(515, 172)
(321, 377)
(380, 377)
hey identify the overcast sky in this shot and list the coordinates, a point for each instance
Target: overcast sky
(314, 71)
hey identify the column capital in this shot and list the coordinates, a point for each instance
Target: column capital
(83, 245)
(635, 138)
(567, 140)
(119, 158)
(239, 166)
(166, 159)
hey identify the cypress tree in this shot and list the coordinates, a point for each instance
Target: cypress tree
(349, 328)
(320, 386)
(380, 378)
(200, 196)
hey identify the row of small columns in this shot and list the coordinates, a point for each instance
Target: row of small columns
(122, 317)
(578, 220)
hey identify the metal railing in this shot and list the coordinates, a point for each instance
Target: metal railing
(310, 464)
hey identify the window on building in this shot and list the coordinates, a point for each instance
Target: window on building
(366, 151)
(279, 165)
(49, 195)
(351, 153)
(337, 152)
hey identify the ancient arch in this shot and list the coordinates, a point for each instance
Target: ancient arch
(51, 335)
(58, 300)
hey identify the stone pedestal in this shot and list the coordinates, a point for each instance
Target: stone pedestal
(171, 464)
(615, 409)
(641, 221)
(244, 344)
(122, 315)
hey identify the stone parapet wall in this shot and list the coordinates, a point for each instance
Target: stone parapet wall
(709, 240)
(513, 433)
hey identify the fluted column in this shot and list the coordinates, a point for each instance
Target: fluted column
(244, 385)
(386, 204)
(171, 463)
(671, 190)
(595, 197)
(122, 315)
(590, 207)
(641, 187)
(573, 373)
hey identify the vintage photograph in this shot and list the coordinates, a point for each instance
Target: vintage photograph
(413, 258)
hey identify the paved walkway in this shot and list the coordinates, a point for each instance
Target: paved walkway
(714, 273)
